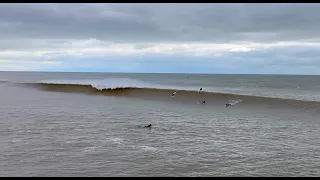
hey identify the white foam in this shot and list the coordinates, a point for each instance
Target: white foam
(61, 154)
(88, 149)
(116, 140)
(16, 140)
(148, 148)
(234, 102)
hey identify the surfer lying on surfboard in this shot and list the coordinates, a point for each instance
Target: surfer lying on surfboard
(228, 104)
(148, 126)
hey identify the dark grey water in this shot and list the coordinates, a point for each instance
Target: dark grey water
(44, 133)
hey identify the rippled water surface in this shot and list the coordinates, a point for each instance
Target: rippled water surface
(45, 133)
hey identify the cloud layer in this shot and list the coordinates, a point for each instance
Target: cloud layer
(206, 38)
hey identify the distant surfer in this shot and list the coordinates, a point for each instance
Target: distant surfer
(148, 126)
(174, 93)
(203, 102)
(200, 89)
(228, 104)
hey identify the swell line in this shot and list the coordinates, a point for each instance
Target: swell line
(183, 96)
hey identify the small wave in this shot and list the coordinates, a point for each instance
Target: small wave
(3, 80)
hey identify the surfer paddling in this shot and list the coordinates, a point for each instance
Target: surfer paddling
(228, 104)
(200, 90)
(149, 126)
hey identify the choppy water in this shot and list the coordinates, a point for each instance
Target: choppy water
(53, 133)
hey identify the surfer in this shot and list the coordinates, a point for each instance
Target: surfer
(228, 104)
(200, 89)
(203, 102)
(174, 93)
(148, 126)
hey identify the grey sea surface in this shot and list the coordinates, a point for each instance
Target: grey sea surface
(49, 128)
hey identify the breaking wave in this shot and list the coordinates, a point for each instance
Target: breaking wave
(127, 87)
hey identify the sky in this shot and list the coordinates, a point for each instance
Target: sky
(161, 38)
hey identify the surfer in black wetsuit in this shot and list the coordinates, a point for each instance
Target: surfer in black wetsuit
(203, 102)
(174, 93)
(148, 126)
(228, 104)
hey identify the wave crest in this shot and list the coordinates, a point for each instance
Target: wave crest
(106, 84)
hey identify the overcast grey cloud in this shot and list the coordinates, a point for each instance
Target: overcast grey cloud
(267, 34)
(162, 22)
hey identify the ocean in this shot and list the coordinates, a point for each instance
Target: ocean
(92, 124)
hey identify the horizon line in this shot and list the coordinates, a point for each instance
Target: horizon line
(161, 73)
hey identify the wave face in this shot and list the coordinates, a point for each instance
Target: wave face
(127, 87)
(111, 86)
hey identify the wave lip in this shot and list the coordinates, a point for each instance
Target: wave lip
(109, 83)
